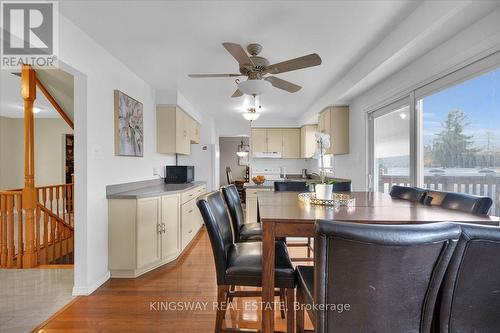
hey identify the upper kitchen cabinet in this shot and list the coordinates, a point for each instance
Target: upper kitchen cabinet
(335, 121)
(285, 141)
(175, 130)
(259, 140)
(307, 141)
(194, 130)
(291, 142)
(275, 140)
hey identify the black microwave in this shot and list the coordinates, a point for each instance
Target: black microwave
(179, 174)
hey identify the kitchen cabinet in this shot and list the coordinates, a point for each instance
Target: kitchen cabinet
(259, 140)
(308, 141)
(176, 130)
(194, 130)
(170, 219)
(274, 140)
(291, 142)
(251, 203)
(148, 235)
(334, 120)
(149, 232)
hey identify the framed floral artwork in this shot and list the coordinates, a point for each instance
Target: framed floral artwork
(129, 127)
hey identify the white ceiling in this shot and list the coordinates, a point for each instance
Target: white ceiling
(57, 82)
(11, 101)
(361, 43)
(163, 41)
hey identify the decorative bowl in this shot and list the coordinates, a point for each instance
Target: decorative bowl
(259, 180)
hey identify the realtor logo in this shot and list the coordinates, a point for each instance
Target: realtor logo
(28, 33)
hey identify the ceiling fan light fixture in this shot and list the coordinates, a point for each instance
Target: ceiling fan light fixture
(254, 87)
(251, 115)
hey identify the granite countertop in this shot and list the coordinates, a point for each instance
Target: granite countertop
(147, 189)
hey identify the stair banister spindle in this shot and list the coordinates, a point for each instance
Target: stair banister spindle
(10, 215)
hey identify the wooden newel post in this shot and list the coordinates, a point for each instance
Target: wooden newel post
(28, 88)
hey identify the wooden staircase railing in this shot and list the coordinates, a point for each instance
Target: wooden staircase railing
(53, 231)
(10, 206)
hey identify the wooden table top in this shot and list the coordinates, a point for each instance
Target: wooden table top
(369, 208)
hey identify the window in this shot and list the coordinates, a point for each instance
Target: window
(391, 132)
(461, 137)
(445, 135)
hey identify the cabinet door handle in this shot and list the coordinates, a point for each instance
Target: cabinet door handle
(190, 211)
(160, 228)
(190, 231)
(164, 227)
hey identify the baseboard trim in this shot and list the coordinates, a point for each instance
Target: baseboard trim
(85, 291)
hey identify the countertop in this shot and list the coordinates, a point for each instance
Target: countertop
(153, 189)
(270, 183)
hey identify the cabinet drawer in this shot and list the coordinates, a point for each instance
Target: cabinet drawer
(189, 223)
(188, 195)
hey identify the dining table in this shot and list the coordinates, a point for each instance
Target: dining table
(282, 214)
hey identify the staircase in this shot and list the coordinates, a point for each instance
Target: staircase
(49, 240)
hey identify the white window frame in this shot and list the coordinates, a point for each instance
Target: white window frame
(468, 70)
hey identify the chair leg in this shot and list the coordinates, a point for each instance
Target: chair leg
(299, 328)
(229, 296)
(282, 303)
(222, 292)
(290, 310)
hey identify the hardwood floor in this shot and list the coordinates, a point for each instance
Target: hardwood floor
(140, 305)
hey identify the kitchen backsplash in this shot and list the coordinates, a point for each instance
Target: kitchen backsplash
(292, 166)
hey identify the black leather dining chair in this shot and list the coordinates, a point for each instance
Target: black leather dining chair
(414, 194)
(344, 186)
(243, 232)
(380, 278)
(291, 186)
(467, 203)
(471, 291)
(296, 186)
(240, 264)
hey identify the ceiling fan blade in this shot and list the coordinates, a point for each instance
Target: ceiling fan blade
(294, 64)
(238, 53)
(283, 84)
(213, 75)
(237, 93)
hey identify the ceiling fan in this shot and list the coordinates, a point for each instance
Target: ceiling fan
(255, 67)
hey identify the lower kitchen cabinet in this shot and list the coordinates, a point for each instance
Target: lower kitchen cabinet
(147, 233)
(251, 203)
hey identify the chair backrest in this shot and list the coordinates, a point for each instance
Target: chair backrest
(471, 290)
(342, 187)
(229, 175)
(388, 274)
(467, 203)
(235, 208)
(216, 218)
(414, 194)
(291, 186)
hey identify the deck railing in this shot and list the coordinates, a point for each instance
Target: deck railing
(52, 233)
(485, 185)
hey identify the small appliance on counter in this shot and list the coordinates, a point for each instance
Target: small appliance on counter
(179, 174)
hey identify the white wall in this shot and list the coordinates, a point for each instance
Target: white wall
(479, 39)
(97, 75)
(49, 152)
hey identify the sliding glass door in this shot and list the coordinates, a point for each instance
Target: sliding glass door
(391, 146)
(443, 136)
(461, 137)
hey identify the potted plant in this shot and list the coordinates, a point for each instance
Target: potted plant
(324, 189)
